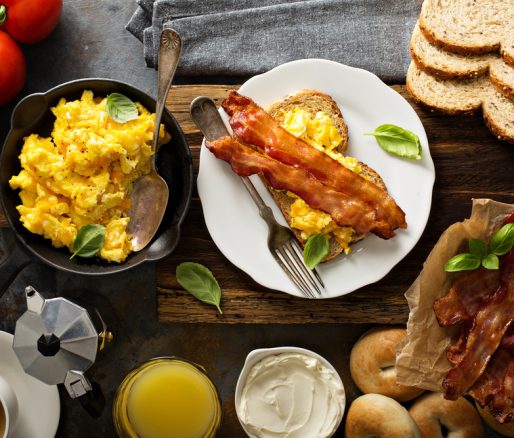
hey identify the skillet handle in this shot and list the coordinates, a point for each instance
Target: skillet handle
(13, 260)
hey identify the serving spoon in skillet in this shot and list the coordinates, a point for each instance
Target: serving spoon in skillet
(150, 193)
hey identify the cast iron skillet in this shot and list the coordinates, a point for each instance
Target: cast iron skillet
(33, 115)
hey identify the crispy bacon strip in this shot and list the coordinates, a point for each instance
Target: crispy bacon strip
(495, 387)
(468, 293)
(345, 211)
(490, 325)
(251, 124)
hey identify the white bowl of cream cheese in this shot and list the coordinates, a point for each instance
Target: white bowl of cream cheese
(289, 392)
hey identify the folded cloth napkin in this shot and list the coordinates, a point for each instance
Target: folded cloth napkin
(225, 37)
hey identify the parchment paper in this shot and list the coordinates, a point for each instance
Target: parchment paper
(422, 361)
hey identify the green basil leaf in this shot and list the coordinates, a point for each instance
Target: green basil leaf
(397, 141)
(503, 240)
(477, 247)
(88, 241)
(491, 261)
(316, 249)
(462, 262)
(120, 108)
(199, 282)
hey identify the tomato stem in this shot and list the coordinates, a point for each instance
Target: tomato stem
(3, 14)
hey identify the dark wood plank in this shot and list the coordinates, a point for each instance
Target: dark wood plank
(464, 154)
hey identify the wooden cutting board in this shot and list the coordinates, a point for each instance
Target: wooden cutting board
(469, 163)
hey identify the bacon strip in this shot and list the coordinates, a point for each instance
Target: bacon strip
(467, 294)
(345, 211)
(490, 324)
(251, 124)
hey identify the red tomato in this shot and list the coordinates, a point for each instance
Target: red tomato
(12, 68)
(30, 21)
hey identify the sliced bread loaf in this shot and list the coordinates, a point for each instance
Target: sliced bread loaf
(443, 64)
(467, 26)
(502, 77)
(313, 101)
(507, 50)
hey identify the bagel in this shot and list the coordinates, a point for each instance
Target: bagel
(437, 417)
(375, 415)
(506, 429)
(372, 364)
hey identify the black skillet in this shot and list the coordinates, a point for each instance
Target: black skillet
(33, 115)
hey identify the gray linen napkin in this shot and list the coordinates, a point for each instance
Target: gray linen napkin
(225, 37)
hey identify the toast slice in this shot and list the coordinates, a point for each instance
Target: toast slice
(464, 96)
(312, 102)
(443, 64)
(467, 26)
(502, 77)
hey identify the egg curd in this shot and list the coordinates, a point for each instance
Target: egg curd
(83, 174)
(319, 131)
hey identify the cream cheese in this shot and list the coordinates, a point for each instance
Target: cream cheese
(291, 395)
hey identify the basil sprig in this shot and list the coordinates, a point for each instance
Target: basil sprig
(88, 241)
(120, 108)
(199, 282)
(482, 254)
(316, 249)
(397, 141)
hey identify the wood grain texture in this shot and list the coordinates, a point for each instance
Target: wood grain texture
(470, 163)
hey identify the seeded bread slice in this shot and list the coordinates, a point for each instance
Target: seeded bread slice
(464, 96)
(449, 96)
(507, 50)
(313, 101)
(284, 202)
(443, 64)
(499, 115)
(502, 77)
(467, 26)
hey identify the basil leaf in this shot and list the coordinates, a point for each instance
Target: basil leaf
(491, 261)
(397, 141)
(477, 247)
(199, 282)
(503, 240)
(316, 249)
(120, 108)
(88, 241)
(462, 262)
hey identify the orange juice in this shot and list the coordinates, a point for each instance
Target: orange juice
(167, 398)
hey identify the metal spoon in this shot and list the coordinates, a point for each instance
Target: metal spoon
(150, 192)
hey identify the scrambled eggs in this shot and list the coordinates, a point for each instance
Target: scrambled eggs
(319, 131)
(83, 174)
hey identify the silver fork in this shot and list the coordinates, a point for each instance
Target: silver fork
(282, 243)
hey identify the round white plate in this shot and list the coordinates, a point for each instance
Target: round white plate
(39, 405)
(366, 102)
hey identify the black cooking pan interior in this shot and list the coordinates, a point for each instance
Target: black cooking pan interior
(33, 115)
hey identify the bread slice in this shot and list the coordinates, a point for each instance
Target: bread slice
(313, 101)
(499, 115)
(507, 50)
(464, 96)
(502, 77)
(443, 64)
(467, 26)
(449, 96)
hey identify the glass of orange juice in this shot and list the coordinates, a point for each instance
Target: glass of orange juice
(167, 397)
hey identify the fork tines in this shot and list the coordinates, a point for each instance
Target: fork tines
(307, 281)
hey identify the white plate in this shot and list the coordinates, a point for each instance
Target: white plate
(39, 406)
(366, 102)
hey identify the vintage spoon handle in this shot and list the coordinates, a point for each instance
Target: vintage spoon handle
(169, 54)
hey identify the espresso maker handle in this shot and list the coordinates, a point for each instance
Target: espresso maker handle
(88, 393)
